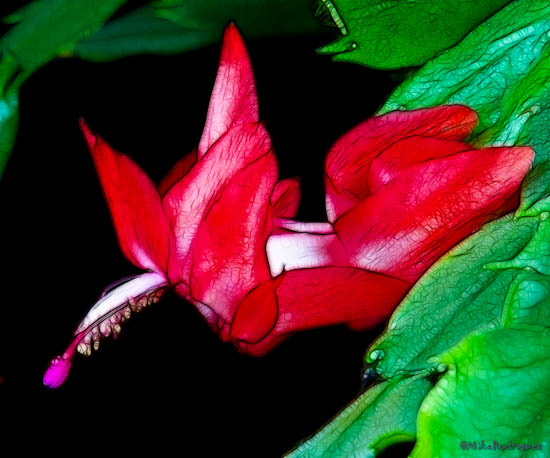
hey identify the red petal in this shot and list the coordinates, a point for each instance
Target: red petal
(338, 202)
(234, 100)
(177, 172)
(350, 158)
(257, 314)
(229, 257)
(286, 198)
(187, 202)
(311, 298)
(136, 209)
(406, 153)
(430, 207)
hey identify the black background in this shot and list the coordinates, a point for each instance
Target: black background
(167, 382)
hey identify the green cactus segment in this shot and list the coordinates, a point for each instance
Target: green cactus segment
(481, 314)
(168, 27)
(528, 302)
(495, 391)
(495, 394)
(457, 296)
(501, 70)
(535, 195)
(384, 415)
(535, 255)
(41, 31)
(390, 34)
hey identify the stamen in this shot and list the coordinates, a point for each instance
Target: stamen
(104, 318)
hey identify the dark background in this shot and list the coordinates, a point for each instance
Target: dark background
(167, 382)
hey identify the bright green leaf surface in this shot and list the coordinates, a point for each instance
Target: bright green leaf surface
(496, 384)
(496, 388)
(458, 295)
(385, 414)
(169, 27)
(535, 196)
(390, 34)
(528, 302)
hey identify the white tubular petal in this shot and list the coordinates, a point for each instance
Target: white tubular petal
(122, 295)
(298, 226)
(302, 250)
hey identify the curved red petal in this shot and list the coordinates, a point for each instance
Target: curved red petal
(257, 314)
(430, 207)
(350, 158)
(135, 205)
(286, 198)
(234, 100)
(406, 153)
(187, 202)
(312, 298)
(229, 257)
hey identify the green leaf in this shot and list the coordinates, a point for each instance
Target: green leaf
(495, 389)
(457, 296)
(390, 34)
(46, 29)
(528, 302)
(535, 195)
(9, 121)
(384, 415)
(501, 70)
(168, 27)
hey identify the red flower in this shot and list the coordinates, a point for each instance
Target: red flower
(204, 228)
(401, 190)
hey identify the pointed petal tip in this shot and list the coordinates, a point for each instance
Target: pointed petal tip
(465, 110)
(470, 118)
(233, 46)
(519, 158)
(234, 99)
(57, 372)
(232, 32)
(527, 152)
(89, 136)
(257, 315)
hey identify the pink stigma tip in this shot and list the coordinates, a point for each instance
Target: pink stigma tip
(57, 372)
